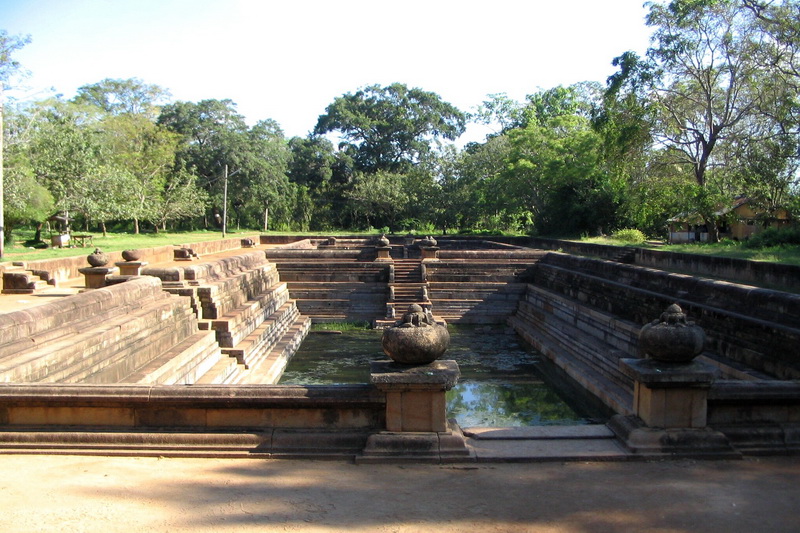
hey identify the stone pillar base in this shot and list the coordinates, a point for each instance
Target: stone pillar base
(130, 268)
(384, 253)
(700, 443)
(96, 276)
(430, 253)
(669, 395)
(417, 428)
(432, 447)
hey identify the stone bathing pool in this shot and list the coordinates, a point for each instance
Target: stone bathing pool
(504, 382)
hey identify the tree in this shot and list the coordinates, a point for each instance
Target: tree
(705, 84)
(9, 44)
(379, 197)
(179, 198)
(390, 128)
(215, 135)
(65, 155)
(144, 155)
(116, 97)
(555, 178)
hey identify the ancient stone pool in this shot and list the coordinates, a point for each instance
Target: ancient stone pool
(504, 382)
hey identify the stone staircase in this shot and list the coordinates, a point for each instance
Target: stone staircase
(408, 287)
(18, 280)
(335, 290)
(133, 332)
(256, 324)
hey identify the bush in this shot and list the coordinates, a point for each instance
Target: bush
(785, 236)
(628, 236)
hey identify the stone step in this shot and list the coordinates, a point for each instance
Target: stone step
(184, 363)
(222, 372)
(270, 368)
(84, 347)
(258, 342)
(238, 323)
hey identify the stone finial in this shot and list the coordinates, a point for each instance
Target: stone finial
(428, 241)
(382, 241)
(132, 255)
(416, 339)
(98, 258)
(672, 338)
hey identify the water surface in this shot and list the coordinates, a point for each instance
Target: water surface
(503, 380)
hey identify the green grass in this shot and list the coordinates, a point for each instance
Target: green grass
(113, 242)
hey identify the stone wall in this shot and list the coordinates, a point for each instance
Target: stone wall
(759, 273)
(199, 420)
(59, 270)
(757, 328)
(585, 315)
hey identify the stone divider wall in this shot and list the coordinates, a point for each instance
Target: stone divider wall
(66, 268)
(785, 277)
(313, 421)
(756, 328)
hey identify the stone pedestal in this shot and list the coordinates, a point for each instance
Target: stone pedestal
(417, 427)
(130, 268)
(96, 276)
(383, 253)
(670, 410)
(670, 395)
(430, 253)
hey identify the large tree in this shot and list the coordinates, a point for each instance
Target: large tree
(389, 128)
(9, 44)
(131, 96)
(708, 89)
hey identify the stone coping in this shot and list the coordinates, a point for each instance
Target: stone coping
(195, 396)
(388, 375)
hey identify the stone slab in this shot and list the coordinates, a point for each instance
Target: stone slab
(593, 431)
(388, 375)
(655, 373)
(533, 450)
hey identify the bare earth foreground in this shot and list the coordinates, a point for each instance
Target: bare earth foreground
(107, 494)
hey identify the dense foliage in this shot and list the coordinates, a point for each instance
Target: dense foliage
(711, 112)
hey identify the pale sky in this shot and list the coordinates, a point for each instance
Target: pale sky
(287, 60)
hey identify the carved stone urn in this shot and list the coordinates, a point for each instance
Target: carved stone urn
(416, 339)
(98, 258)
(671, 338)
(382, 241)
(132, 255)
(428, 241)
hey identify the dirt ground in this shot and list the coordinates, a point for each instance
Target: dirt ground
(109, 494)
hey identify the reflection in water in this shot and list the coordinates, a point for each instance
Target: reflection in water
(501, 382)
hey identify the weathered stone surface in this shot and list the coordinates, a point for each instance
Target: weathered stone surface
(416, 339)
(672, 338)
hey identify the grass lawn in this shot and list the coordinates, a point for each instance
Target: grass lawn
(113, 242)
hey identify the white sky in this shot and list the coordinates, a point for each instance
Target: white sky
(288, 59)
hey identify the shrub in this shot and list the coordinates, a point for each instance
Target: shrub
(628, 236)
(785, 236)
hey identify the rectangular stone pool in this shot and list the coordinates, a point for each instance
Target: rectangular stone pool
(504, 382)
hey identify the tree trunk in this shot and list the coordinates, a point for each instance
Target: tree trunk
(103, 227)
(135, 226)
(266, 218)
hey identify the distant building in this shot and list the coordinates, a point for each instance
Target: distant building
(737, 221)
